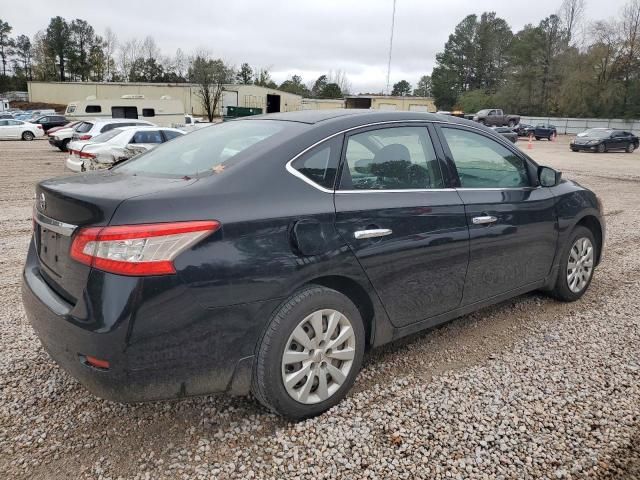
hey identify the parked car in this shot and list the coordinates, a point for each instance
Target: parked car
(90, 128)
(524, 129)
(16, 129)
(186, 271)
(544, 130)
(604, 139)
(496, 117)
(6, 116)
(22, 116)
(507, 133)
(53, 130)
(61, 138)
(107, 149)
(50, 121)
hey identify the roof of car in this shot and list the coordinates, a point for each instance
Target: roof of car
(358, 116)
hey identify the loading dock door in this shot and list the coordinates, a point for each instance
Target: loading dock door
(124, 112)
(273, 103)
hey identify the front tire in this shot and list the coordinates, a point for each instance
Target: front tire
(630, 147)
(28, 136)
(310, 354)
(577, 265)
(601, 148)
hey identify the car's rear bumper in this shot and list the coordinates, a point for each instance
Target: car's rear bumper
(172, 350)
(75, 164)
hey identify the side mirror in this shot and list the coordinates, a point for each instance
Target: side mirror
(548, 177)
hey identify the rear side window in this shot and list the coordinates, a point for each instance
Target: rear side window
(210, 150)
(93, 109)
(170, 134)
(484, 163)
(320, 164)
(398, 158)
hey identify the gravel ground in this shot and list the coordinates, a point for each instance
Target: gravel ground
(531, 388)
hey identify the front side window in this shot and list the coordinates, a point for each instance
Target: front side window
(398, 158)
(320, 164)
(484, 163)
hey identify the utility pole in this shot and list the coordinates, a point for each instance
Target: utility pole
(393, 21)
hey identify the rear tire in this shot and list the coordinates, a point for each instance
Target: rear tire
(537, 138)
(574, 149)
(307, 327)
(601, 148)
(28, 136)
(583, 261)
(630, 147)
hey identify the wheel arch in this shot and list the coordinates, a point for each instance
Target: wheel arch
(355, 292)
(593, 224)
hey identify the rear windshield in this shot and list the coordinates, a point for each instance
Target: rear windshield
(205, 151)
(84, 127)
(104, 137)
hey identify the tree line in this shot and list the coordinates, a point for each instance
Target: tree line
(73, 51)
(563, 66)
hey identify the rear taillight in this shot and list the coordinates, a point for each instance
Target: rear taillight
(84, 137)
(138, 250)
(86, 155)
(39, 126)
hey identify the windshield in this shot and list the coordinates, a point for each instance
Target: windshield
(597, 133)
(206, 150)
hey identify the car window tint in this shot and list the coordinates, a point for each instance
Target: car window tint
(147, 136)
(84, 127)
(4, 123)
(208, 151)
(398, 158)
(320, 164)
(170, 134)
(15, 122)
(484, 163)
(105, 137)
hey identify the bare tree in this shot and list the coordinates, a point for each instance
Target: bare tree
(572, 14)
(109, 46)
(128, 53)
(339, 77)
(629, 61)
(210, 75)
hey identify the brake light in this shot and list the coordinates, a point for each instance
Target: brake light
(84, 137)
(86, 155)
(138, 250)
(39, 126)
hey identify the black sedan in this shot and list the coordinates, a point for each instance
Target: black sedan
(603, 140)
(524, 129)
(50, 121)
(267, 254)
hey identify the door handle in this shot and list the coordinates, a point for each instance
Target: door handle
(373, 233)
(484, 220)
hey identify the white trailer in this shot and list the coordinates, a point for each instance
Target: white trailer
(163, 111)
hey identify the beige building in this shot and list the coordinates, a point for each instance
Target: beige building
(322, 103)
(269, 100)
(383, 102)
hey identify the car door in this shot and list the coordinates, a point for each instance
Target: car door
(512, 221)
(406, 227)
(618, 140)
(5, 130)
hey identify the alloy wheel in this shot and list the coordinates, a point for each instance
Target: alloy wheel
(318, 356)
(580, 264)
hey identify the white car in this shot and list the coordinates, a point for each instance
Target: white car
(17, 129)
(107, 149)
(93, 127)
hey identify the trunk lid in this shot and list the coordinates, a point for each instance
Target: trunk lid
(78, 201)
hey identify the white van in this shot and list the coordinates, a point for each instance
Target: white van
(162, 111)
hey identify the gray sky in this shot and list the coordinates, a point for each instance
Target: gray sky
(295, 36)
